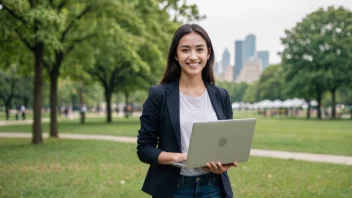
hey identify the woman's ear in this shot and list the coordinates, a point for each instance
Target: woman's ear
(209, 53)
(176, 58)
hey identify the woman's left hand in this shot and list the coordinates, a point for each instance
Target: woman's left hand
(218, 168)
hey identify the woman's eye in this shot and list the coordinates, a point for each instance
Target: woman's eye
(200, 49)
(184, 50)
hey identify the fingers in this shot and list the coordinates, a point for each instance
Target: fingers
(218, 168)
(206, 168)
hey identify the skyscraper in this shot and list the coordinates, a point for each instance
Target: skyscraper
(264, 57)
(217, 69)
(251, 70)
(225, 60)
(249, 46)
(239, 56)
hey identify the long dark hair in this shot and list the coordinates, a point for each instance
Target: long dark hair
(173, 69)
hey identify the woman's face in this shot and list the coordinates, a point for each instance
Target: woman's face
(192, 54)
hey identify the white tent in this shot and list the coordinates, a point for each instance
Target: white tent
(277, 104)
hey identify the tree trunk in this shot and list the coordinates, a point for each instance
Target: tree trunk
(127, 113)
(7, 111)
(37, 104)
(108, 94)
(308, 109)
(53, 104)
(333, 100)
(351, 114)
(126, 98)
(319, 96)
(81, 100)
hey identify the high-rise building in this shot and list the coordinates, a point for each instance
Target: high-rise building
(249, 46)
(264, 57)
(225, 60)
(217, 69)
(227, 75)
(251, 70)
(239, 56)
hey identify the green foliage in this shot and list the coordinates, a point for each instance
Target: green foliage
(252, 93)
(180, 10)
(317, 53)
(69, 93)
(271, 83)
(236, 90)
(14, 86)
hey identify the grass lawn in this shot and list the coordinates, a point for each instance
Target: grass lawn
(301, 135)
(29, 116)
(71, 168)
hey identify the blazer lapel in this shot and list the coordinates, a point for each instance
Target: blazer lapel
(216, 101)
(173, 105)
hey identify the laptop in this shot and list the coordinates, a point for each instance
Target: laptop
(225, 141)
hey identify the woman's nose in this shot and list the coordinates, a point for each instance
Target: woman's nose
(193, 55)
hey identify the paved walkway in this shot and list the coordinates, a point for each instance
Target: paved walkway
(334, 159)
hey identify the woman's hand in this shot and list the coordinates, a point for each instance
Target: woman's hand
(218, 168)
(169, 158)
(180, 157)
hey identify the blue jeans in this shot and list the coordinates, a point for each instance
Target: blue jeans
(203, 186)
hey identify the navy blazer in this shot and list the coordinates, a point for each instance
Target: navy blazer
(160, 131)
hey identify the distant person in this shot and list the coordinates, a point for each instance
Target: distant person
(127, 110)
(186, 94)
(66, 112)
(23, 112)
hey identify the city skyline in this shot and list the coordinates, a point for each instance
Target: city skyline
(233, 20)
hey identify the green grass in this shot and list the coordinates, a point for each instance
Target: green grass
(29, 116)
(289, 134)
(71, 168)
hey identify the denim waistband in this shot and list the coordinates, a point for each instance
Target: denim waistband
(201, 179)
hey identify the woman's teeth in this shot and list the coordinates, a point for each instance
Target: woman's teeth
(193, 64)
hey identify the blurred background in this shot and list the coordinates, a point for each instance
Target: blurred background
(71, 67)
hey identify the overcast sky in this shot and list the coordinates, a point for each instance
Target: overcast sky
(230, 20)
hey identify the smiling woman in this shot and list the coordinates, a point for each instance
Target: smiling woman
(186, 94)
(192, 55)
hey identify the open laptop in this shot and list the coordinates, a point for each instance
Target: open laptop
(225, 141)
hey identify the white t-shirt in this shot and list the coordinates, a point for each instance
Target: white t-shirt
(193, 109)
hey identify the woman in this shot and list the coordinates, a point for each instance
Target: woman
(186, 93)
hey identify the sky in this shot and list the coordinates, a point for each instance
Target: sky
(230, 20)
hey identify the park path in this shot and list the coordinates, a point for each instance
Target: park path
(334, 159)
(72, 116)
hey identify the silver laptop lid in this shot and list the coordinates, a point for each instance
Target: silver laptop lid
(222, 140)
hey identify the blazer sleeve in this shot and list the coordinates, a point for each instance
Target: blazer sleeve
(148, 133)
(228, 106)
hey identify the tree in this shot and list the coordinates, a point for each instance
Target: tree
(251, 94)
(180, 10)
(28, 20)
(71, 30)
(114, 67)
(271, 83)
(236, 90)
(344, 96)
(335, 28)
(319, 48)
(9, 83)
